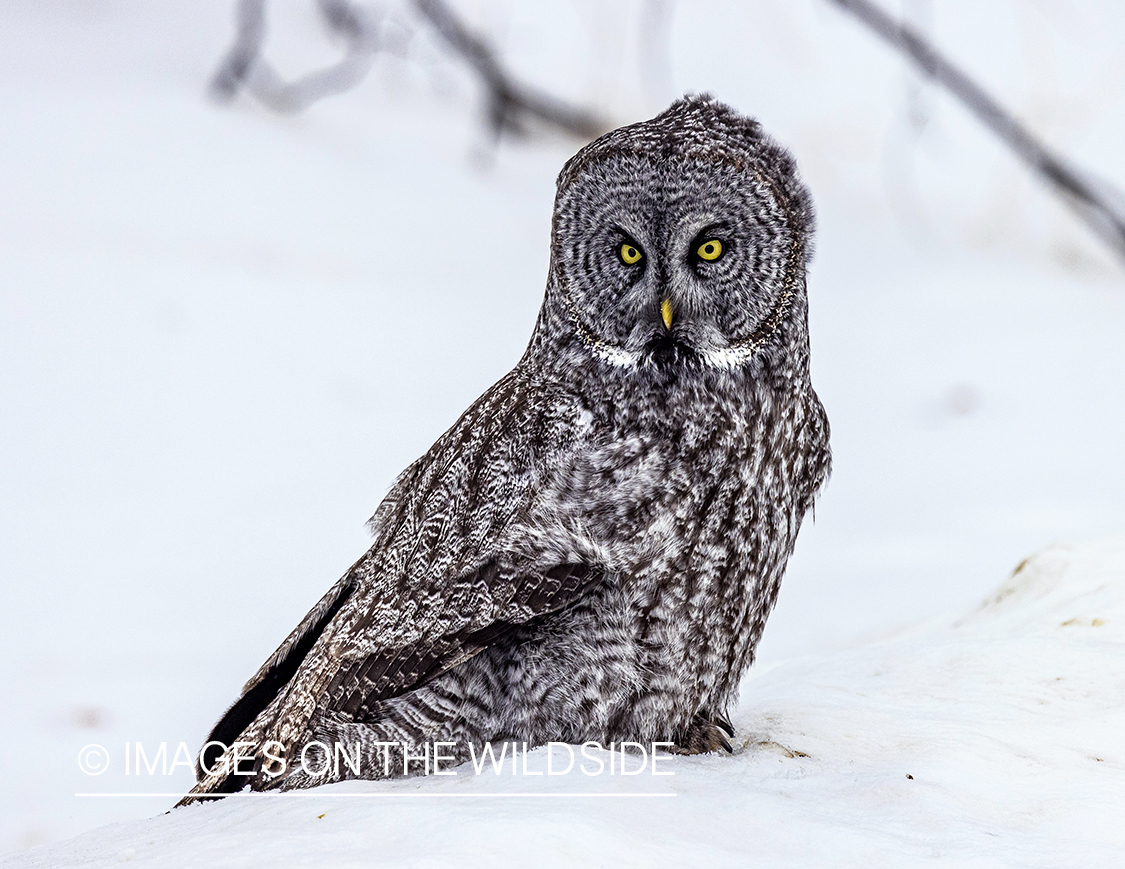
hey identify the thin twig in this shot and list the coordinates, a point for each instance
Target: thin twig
(508, 100)
(245, 68)
(235, 67)
(509, 103)
(1090, 198)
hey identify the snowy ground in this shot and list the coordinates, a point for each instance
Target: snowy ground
(993, 740)
(219, 344)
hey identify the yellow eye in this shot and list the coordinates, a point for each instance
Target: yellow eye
(630, 254)
(710, 250)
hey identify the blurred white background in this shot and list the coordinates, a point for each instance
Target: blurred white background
(223, 331)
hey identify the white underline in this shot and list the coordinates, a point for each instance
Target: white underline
(178, 795)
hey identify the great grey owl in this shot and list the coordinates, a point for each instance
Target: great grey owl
(591, 551)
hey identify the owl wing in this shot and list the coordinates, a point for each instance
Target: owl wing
(449, 574)
(391, 662)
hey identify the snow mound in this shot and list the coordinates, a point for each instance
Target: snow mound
(992, 740)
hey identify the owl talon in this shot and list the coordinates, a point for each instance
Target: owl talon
(704, 736)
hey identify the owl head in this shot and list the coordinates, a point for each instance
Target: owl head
(679, 242)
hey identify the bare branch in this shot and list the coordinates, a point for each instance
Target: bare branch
(508, 100)
(509, 103)
(235, 68)
(245, 68)
(1091, 199)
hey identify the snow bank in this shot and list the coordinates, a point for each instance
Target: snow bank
(993, 740)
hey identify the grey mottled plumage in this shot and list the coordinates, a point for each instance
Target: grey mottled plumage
(591, 551)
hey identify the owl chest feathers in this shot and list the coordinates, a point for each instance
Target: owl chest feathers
(690, 497)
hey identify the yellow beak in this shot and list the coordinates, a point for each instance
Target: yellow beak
(666, 313)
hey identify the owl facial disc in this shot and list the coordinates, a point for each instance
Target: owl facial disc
(680, 242)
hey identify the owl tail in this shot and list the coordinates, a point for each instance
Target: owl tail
(248, 721)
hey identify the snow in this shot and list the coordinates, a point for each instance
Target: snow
(990, 740)
(223, 333)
